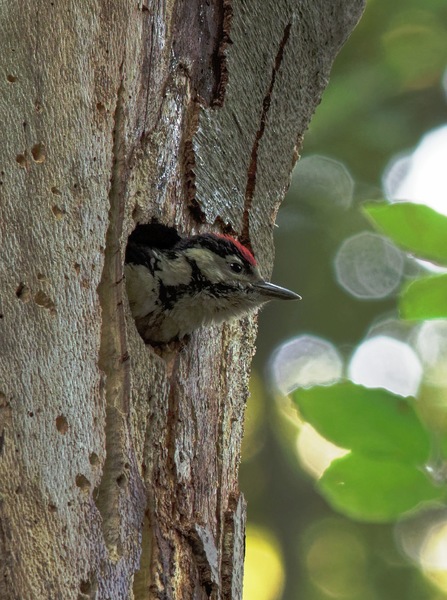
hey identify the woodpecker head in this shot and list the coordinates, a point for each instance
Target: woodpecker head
(225, 269)
(178, 284)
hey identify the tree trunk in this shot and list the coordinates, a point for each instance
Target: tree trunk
(118, 467)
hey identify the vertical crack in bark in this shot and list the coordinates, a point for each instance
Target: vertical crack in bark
(201, 35)
(253, 166)
(219, 58)
(146, 67)
(113, 359)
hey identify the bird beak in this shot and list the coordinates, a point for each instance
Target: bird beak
(271, 291)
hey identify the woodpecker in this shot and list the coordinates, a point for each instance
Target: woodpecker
(177, 284)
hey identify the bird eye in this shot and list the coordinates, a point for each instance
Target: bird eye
(236, 267)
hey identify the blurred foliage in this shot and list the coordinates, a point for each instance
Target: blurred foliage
(382, 476)
(385, 92)
(418, 229)
(423, 232)
(372, 422)
(424, 298)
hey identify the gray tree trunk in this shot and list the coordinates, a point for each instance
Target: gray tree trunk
(118, 467)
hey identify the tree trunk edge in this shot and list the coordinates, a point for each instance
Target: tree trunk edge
(98, 105)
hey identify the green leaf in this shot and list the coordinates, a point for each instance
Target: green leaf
(371, 421)
(414, 227)
(425, 298)
(378, 491)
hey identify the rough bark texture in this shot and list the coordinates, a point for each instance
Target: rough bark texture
(118, 467)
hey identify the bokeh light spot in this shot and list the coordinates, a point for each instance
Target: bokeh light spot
(369, 266)
(421, 176)
(434, 548)
(304, 361)
(336, 559)
(423, 538)
(323, 182)
(415, 49)
(385, 362)
(263, 570)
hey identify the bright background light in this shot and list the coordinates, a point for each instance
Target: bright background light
(388, 363)
(422, 175)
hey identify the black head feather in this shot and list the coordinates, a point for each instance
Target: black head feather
(147, 236)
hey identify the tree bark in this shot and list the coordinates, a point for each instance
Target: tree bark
(118, 467)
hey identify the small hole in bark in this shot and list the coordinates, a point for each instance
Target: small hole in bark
(38, 152)
(52, 507)
(121, 480)
(21, 160)
(62, 424)
(56, 191)
(23, 292)
(100, 107)
(58, 212)
(94, 459)
(83, 483)
(11, 78)
(43, 300)
(77, 268)
(136, 211)
(85, 587)
(30, 413)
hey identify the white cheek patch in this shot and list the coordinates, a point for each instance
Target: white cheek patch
(211, 265)
(174, 272)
